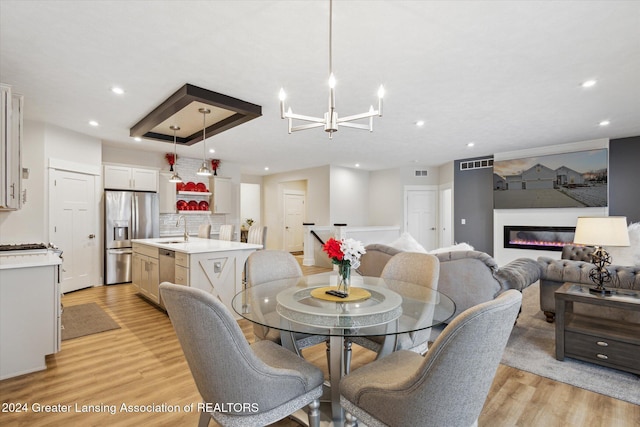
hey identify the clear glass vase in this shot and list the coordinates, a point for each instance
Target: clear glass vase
(344, 274)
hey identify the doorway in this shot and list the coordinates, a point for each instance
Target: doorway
(294, 213)
(421, 214)
(446, 217)
(74, 227)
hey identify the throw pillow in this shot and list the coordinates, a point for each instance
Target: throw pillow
(407, 243)
(458, 247)
(627, 255)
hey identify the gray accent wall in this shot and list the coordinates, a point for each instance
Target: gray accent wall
(624, 178)
(473, 194)
(473, 202)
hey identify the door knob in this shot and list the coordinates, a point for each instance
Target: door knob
(92, 236)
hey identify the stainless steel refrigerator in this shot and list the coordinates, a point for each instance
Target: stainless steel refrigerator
(128, 215)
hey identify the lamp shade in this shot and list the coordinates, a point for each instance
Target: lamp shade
(602, 231)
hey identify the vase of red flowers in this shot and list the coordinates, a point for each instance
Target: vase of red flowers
(345, 253)
(215, 164)
(171, 159)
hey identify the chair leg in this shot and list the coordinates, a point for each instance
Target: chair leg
(347, 356)
(314, 413)
(350, 420)
(205, 417)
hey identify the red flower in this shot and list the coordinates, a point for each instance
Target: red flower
(215, 163)
(332, 248)
(171, 158)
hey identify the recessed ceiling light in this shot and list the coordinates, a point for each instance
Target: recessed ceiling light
(420, 123)
(605, 123)
(117, 90)
(137, 139)
(357, 165)
(471, 144)
(93, 123)
(266, 168)
(211, 150)
(589, 83)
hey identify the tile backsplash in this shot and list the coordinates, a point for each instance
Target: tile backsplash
(187, 167)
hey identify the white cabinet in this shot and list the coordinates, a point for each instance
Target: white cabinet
(118, 177)
(29, 318)
(11, 106)
(221, 188)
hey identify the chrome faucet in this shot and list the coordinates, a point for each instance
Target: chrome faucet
(184, 221)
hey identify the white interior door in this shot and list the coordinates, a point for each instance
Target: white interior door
(74, 228)
(293, 219)
(446, 217)
(421, 216)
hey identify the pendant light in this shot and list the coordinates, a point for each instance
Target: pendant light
(175, 177)
(204, 170)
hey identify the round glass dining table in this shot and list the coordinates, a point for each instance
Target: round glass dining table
(382, 308)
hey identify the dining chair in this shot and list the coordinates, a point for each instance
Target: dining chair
(268, 266)
(226, 232)
(448, 386)
(226, 368)
(204, 231)
(419, 269)
(257, 235)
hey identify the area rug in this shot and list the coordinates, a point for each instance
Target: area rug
(531, 348)
(85, 319)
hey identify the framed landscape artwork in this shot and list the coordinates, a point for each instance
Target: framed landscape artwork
(567, 180)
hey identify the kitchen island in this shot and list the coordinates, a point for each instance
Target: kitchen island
(215, 266)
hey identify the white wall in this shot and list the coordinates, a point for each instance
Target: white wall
(317, 207)
(29, 225)
(349, 198)
(565, 217)
(250, 202)
(43, 142)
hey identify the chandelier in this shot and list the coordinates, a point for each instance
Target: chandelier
(330, 121)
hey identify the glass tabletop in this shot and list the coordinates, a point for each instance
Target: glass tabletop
(393, 307)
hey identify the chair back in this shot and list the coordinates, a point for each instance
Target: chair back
(223, 364)
(452, 383)
(204, 231)
(257, 235)
(226, 232)
(421, 269)
(269, 265)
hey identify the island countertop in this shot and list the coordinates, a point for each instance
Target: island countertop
(196, 245)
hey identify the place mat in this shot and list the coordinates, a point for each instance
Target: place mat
(355, 294)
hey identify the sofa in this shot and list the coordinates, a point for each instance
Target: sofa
(574, 266)
(468, 277)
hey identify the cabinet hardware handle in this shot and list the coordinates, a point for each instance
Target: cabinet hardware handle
(92, 236)
(602, 356)
(603, 344)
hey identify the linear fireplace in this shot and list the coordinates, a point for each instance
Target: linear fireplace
(539, 238)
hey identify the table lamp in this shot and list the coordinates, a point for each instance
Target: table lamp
(599, 232)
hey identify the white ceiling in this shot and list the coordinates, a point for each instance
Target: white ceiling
(505, 75)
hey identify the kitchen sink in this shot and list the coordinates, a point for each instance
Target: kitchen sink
(173, 241)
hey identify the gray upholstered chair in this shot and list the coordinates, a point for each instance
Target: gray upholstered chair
(272, 380)
(268, 266)
(226, 232)
(412, 267)
(204, 231)
(448, 386)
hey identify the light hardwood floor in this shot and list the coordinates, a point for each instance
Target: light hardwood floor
(142, 364)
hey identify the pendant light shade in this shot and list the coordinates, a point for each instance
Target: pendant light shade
(204, 170)
(175, 177)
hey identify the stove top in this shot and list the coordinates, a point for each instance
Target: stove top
(23, 247)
